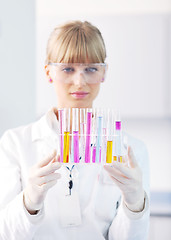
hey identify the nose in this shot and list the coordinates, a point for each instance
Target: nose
(79, 79)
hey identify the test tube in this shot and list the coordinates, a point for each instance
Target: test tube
(75, 130)
(66, 134)
(82, 133)
(121, 149)
(109, 137)
(99, 135)
(60, 116)
(88, 136)
(94, 135)
(104, 135)
(117, 156)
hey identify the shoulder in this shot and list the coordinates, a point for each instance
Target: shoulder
(21, 133)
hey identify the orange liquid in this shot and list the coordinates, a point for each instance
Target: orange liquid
(109, 152)
(66, 147)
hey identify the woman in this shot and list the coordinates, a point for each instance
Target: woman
(42, 200)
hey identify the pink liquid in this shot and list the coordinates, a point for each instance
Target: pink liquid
(88, 140)
(94, 155)
(76, 146)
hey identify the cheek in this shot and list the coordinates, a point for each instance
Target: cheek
(95, 90)
(60, 89)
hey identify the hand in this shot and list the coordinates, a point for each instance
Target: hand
(129, 180)
(42, 177)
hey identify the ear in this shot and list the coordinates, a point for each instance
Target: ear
(48, 74)
(47, 71)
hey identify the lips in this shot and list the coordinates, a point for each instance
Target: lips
(79, 94)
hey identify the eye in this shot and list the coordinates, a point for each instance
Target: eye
(68, 69)
(91, 69)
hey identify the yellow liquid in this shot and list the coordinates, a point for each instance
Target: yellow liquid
(109, 152)
(114, 158)
(120, 159)
(66, 147)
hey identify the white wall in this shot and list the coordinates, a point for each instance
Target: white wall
(17, 63)
(101, 7)
(169, 57)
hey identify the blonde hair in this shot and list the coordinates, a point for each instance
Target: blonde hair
(76, 42)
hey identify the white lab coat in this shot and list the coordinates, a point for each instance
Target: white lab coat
(99, 197)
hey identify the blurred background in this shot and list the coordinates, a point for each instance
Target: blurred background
(138, 82)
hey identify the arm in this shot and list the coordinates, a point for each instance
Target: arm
(17, 218)
(12, 210)
(132, 219)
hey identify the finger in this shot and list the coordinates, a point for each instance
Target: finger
(131, 158)
(118, 183)
(123, 169)
(114, 171)
(54, 160)
(45, 187)
(49, 178)
(50, 168)
(115, 174)
(47, 160)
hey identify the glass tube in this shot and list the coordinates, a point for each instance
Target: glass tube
(66, 135)
(109, 151)
(99, 135)
(61, 136)
(104, 136)
(118, 137)
(88, 136)
(94, 135)
(110, 134)
(82, 133)
(75, 131)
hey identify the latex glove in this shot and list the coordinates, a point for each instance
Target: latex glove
(42, 177)
(128, 177)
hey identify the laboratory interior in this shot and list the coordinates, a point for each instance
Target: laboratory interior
(138, 81)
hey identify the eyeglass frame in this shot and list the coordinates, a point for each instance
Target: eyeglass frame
(78, 64)
(81, 64)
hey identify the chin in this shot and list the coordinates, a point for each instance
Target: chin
(80, 104)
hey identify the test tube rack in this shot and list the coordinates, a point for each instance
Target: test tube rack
(90, 136)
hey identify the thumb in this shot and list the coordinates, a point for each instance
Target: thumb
(47, 160)
(131, 158)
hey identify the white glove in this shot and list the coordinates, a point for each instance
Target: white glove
(42, 177)
(129, 180)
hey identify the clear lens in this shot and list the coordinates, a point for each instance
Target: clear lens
(67, 72)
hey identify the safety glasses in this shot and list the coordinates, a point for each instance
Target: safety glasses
(91, 73)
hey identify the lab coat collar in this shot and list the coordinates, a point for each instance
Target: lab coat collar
(47, 126)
